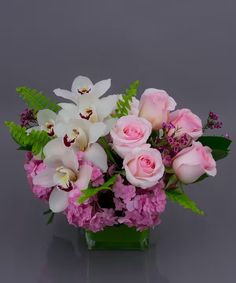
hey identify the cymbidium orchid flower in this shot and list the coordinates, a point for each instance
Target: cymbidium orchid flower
(88, 104)
(63, 173)
(81, 135)
(46, 122)
(82, 86)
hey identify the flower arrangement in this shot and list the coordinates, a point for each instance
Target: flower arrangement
(107, 161)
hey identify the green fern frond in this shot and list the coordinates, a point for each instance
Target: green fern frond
(123, 104)
(36, 100)
(183, 200)
(33, 141)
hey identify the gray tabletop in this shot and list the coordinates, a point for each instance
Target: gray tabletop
(185, 47)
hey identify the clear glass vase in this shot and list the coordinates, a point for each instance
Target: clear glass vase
(118, 238)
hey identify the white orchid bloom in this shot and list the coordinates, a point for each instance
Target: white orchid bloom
(63, 173)
(90, 108)
(83, 86)
(46, 121)
(88, 104)
(81, 135)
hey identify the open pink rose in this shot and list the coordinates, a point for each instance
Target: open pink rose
(192, 162)
(143, 167)
(130, 132)
(186, 122)
(155, 106)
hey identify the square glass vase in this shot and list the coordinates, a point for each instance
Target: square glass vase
(118, 238)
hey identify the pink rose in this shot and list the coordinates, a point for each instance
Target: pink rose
(186, 122)
(155, 106)
(192, 162)
(143, 167)
(130, 132)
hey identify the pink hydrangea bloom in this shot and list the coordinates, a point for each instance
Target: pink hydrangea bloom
(119, 205)
(143, 210)
(32, 168)
(125, 192)
(133, 207)
(88, 215)
(129, 205)
(102, 219)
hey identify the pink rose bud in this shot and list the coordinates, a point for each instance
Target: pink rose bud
(185, 122)
(192, 162)
(130, 132)
(155, 106)
(144, 167)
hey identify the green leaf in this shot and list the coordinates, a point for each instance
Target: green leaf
(172, 180)
(203, 177)
(123, 104)
(50, 215)
(169, 170)
(219, 145)
(112, 156)
(33, 141)
(50, 218)
(88, 193)
(47, 212)
(183, 200)
(37, 100)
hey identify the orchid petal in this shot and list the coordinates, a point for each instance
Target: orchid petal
(96, 130)
(45, 178)
(44, 116)
(110, 123)
(101, 87)
(68, 111)
(85, 173)
(81, 82)
(66, 94)
(54, 148)
(69, 159)
(79, 123)
(97, 155)
(57, 154)
(60, 129)
(58, 200)
(68, 106)
(105, 106)
(53, 162)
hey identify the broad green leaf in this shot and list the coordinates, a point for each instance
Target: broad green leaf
(183, 200)
(37, 100)
(219, 145)
(88, 193)
(215, 142)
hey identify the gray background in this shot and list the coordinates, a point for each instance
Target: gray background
(186, 47)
